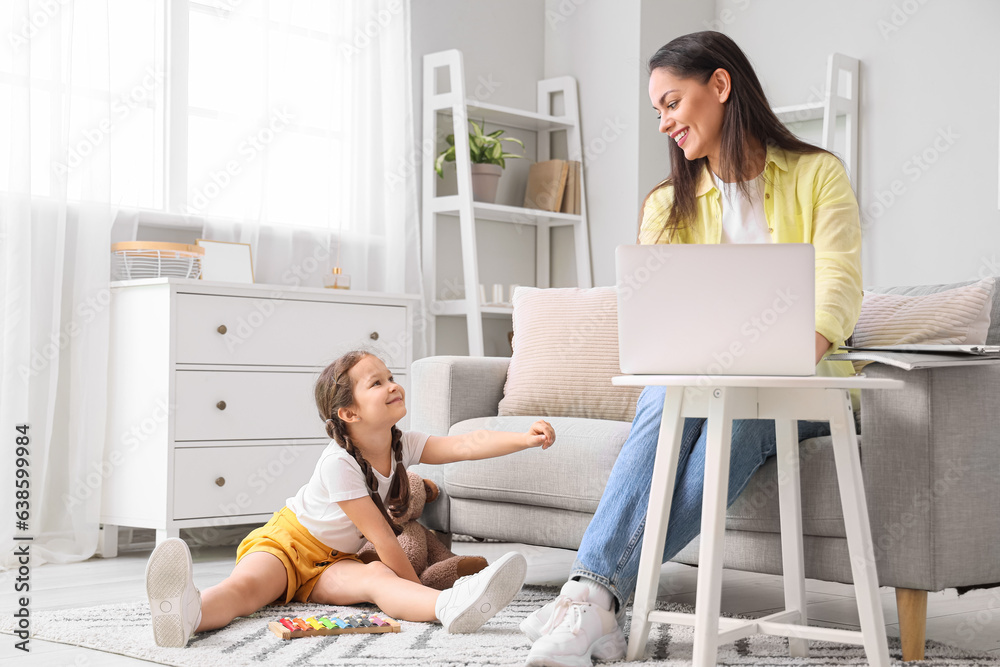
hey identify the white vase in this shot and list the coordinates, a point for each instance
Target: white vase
(485, 178)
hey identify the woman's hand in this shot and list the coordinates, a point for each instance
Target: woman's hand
(822, 345)
(541, 433)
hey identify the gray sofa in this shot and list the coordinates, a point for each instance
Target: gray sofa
(930, 457)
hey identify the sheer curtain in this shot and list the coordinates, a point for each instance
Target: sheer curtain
(55, 100)
(350, 120)
(315, 114)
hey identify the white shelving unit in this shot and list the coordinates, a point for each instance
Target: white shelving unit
(454, 105)
(841, 99)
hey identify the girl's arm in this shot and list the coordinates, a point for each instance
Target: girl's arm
(485, 444)
(369, 520)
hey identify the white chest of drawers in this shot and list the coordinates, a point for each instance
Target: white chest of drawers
(212, 419)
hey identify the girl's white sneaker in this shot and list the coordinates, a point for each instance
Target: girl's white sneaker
(174, 602)
(475, 599)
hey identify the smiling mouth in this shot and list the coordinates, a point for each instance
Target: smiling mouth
(395, 400)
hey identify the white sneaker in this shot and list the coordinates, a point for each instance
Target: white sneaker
(577, 632)
(174, 602)
(474, 599)
(533, 623)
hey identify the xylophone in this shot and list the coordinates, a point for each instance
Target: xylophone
(291, 628)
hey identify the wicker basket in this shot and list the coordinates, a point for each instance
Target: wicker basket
(132, 260)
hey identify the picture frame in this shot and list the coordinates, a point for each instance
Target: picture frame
(226, 261)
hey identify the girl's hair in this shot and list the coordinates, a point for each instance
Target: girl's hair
(746, 115)
(335, 390)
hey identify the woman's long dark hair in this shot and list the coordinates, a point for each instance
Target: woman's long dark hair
(746, 116)
(335, 390)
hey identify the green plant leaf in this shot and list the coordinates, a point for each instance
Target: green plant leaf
(495, 134)
(446, 156)
(450, 139)
(516, 141)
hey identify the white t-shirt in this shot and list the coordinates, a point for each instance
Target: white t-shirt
(338, 477)
(743, 220)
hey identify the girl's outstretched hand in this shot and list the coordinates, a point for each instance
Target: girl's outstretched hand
(541, 433)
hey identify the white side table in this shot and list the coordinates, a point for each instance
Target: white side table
(785, 399)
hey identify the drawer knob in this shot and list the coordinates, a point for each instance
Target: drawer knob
(221, 481)
(222, 329)
(221, 405)
(374, 335)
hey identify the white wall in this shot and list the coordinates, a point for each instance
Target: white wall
(930, 83)
(503, 51)
(606, 45)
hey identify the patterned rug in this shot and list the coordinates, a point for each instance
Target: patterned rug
(125, 629)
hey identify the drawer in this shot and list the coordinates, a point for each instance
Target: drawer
(231, 481)
(285, 332)
(241, 405)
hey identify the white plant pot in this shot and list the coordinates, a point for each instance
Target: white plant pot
(485, 178)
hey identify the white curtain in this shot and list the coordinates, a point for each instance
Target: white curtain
(358, 208)
(54, 267)
(77, 109)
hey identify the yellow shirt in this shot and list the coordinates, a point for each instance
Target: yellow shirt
(807, 199)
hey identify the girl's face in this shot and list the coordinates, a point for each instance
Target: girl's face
(691, 112)
(377, 398)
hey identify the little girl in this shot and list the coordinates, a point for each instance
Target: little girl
(306, 552)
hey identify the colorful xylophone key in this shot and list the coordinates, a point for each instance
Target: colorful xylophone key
(291, 628)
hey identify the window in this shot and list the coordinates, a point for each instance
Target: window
(251, 124)
(109, 91)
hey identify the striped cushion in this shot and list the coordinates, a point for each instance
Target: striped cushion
(565, 354)
(959, 316)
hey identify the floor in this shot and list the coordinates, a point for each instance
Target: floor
(971, 622)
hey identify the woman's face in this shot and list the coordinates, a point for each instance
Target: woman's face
(691, 112)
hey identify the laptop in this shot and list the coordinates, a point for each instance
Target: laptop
(716, 309)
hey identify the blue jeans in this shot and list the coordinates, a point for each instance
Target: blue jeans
(609, 552)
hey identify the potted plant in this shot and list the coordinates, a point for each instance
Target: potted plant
(488, 160)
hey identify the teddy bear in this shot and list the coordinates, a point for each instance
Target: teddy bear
(433, 562)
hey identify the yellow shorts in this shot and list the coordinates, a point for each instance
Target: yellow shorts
(303, 556)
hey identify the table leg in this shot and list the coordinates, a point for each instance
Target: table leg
(713, 525)
(856, 524)
(661, 491)
(790, 508)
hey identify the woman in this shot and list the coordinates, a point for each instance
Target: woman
(738, 176)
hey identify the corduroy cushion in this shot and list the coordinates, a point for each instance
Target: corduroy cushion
(959, 316)
(565, 354)
(992, 338)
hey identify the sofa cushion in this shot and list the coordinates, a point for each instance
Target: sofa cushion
(565, 354)
(569, 475)
(992, 335)
(756, 509)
